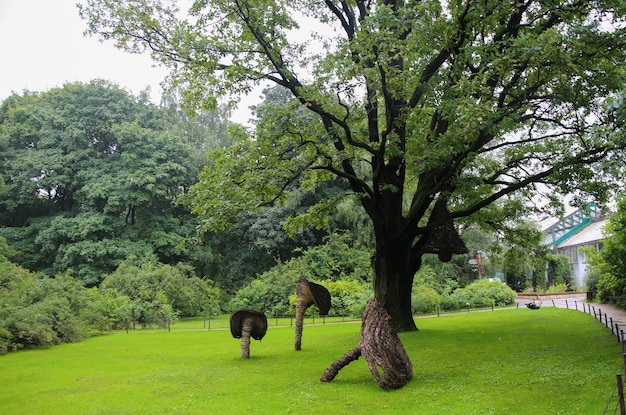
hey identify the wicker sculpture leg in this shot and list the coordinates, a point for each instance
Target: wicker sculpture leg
(300, 310)
(382, 349)
(333, 370)
(307, 294)
(246, 330)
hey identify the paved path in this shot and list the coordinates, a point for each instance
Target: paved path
(613, 317)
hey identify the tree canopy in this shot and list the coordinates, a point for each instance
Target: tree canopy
(90, 177)
(608, 266)
(430, 111)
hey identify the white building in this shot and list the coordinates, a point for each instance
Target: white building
(578, 230)
(591, 235)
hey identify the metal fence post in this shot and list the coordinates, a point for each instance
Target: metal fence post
(620, 393)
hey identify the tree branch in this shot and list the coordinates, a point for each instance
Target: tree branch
(585, 158)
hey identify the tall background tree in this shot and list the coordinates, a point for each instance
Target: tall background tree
(430, 111)
(91, 176)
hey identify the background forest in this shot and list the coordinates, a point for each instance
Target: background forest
(95, 233)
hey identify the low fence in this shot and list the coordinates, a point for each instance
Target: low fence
(617, 326)
(616, 399)
(289, 320)
(277, 320)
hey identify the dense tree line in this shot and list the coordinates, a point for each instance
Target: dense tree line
(93, 175)
(90, 176)
(607, 276)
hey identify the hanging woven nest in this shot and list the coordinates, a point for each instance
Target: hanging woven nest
(441, 237)
(307, 294)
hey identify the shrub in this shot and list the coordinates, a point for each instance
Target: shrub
(36, 310)
(558, 288)
(358, 307)
(481, 291)
(269, 293)
(593, 279)
(424, 299)
(5, 340)
(559, 270)
(160, 292)
(348, 297)
(342, 268)
(456, 300)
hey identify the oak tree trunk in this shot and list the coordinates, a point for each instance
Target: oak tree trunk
(399, 249)
(395, 265)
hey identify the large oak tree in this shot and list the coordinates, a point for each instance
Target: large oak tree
(430, 110)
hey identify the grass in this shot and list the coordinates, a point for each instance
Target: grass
(222, 322)
(547, 361)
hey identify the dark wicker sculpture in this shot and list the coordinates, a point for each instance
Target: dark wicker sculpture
(533, 305)
(246, 323)
(441, 237)
(307, 294)
(381, 347)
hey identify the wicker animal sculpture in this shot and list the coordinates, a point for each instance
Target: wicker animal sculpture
(307, 294)
(533, 305)
(246, 323)
(381, 347)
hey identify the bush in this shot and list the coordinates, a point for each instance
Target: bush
(456, 300)
(348, 297)
(342, 268)
(593, 279)
(158, 293)
(5, 340)
(558, 288)
(29, 327)
(559, 271)
(482, 292)
(358, 307)
(269, 293)
(38, 311)
(424, 299)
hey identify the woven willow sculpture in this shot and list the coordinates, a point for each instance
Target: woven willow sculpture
(442, 238)
(246, 323)
(307, 294)
(382, 349)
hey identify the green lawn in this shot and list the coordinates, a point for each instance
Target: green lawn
(547, 361)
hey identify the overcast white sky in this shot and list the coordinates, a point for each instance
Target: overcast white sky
(42, 46)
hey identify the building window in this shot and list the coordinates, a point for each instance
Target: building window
(572, 254)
